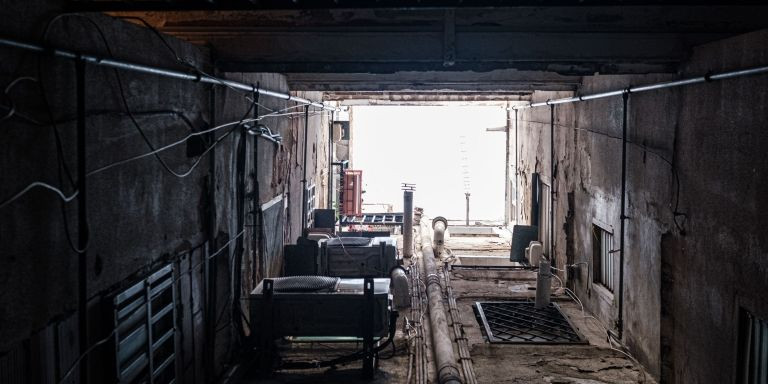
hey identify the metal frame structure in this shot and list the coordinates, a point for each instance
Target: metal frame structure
(143, 332)
(388, 219)
(523, 324)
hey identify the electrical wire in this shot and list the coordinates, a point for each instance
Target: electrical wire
(39, 184)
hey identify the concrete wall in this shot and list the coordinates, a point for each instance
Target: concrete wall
(713, 261)
(140, 216)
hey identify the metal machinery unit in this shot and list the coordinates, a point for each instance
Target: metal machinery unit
(352, 193)
(342, 257)
(319, 306)
(350, 257)
(358, 256)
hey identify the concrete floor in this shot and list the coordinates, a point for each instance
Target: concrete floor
(590, 363)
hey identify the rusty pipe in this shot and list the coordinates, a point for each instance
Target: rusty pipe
(445, 361)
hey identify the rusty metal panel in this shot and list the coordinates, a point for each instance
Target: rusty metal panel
(352, 193)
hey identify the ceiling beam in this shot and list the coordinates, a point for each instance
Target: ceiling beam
(167, 5)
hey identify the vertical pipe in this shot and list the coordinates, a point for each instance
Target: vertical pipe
(210, 264)
(304, 167)
(623, 218)
(551, 224)
(507, 203)
(517, 171)
(258, 240)
(330, 162)
(82, 221)
(407, 223)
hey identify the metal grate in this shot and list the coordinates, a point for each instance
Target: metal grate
(145, 331)
(390, 219)
(521, 322)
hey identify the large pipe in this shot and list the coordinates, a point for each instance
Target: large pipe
(198, 77)
(652, 87)
(445, 362)
(407, 223)
(439, 225)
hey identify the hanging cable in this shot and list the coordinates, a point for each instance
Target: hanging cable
(39, 184)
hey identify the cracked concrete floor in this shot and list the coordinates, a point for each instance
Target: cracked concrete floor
(590, 363)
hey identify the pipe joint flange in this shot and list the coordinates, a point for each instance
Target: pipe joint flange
(432, 278)
(448, 373)
(439, 219)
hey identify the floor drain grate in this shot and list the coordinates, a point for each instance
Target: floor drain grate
(521, 322)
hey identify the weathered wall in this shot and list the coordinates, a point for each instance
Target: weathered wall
(721, 264)
(713, 261)
(140, 215)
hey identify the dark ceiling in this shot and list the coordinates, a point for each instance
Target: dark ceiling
(510, 48)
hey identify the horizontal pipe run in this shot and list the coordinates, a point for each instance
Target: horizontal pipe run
(164, 72)
(652, 87)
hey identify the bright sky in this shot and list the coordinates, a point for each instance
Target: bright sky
(431, 157)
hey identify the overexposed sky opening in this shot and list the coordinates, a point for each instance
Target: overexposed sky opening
(442, 149)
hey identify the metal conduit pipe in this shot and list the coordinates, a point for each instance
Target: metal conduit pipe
(439, 224)
(152, 70)
(652, 87)
(623, 218)
(304, 174)
(445, 362)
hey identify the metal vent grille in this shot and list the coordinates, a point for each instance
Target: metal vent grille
(521, 322)
(145, 332)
